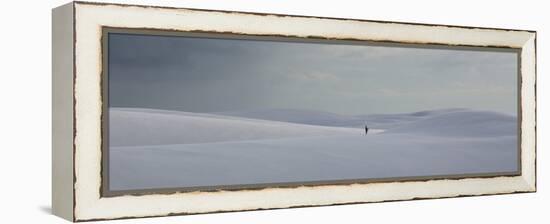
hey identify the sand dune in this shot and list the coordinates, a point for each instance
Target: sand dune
(134, 127)
(423, 144)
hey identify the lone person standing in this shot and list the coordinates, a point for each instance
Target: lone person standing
(366, 129)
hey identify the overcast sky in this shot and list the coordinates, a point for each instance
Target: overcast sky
(214, 75)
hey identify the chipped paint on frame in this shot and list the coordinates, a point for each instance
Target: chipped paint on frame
(90, 18)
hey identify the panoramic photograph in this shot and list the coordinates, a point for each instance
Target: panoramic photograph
(221, 111)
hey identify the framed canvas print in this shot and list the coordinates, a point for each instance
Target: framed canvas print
(167, 111)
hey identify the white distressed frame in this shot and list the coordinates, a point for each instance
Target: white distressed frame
(89, 19)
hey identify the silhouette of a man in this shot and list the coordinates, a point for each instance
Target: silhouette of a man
(366, 129)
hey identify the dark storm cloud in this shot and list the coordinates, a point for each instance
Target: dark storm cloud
(209, 75)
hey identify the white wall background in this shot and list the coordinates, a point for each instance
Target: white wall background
(25, 124)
